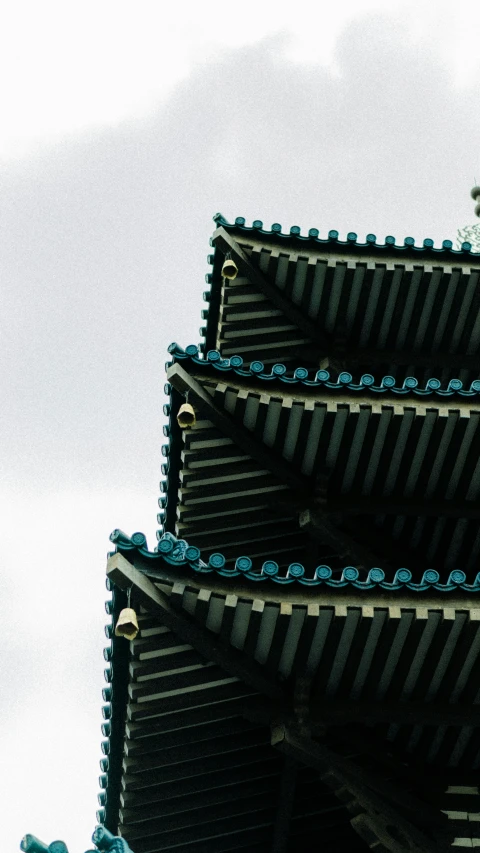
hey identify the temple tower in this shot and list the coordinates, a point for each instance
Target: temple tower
(307, 667)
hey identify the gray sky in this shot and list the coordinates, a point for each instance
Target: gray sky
(124, 132)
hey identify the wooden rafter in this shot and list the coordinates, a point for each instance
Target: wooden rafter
(318, 528)
(396, 818)
(323, 529)
(284, 809)
(370, 357)
(303, 495)
(227, 244)
(319, 525)
(403, 506)
(341, 712)
(347, 505)
(126, 576)
(243, 438)
(391, 758)
(393, 552)
(323, 713)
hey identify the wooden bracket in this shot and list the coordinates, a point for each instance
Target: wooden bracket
(126, 576)
(381, 801)
(227, 244)
(243, 438)
(301, 703)
(315, 354)
(284, 810)
(320, 525)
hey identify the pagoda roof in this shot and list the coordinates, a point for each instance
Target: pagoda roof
(195, 772)
(397, 308)
(171, 551)
(395, 468)
(333, 242)
(308, 658)
(215, 669)
(321, 379)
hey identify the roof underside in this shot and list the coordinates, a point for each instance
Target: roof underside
(199, 770)
(197, 774)
(298, 468)
(403, 476)
(379, 311)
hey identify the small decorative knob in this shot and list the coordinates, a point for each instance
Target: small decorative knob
(475, 193)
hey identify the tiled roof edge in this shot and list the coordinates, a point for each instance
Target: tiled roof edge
(332, 239)
(177, 552)
(278, 372)
(115, 696)
(331, 243)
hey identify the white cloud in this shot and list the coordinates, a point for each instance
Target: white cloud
(70, 67)
(93, 290)
(53, 559)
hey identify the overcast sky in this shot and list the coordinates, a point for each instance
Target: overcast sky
(125, 127)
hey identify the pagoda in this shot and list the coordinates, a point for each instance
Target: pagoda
(305, 669)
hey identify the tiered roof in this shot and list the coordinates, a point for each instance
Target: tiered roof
(308, 662)
(377, 307)
(398, 467)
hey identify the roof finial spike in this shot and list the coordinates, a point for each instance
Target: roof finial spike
(475, 194)
(468, 237)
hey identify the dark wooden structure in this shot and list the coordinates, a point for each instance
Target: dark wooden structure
(307, 671)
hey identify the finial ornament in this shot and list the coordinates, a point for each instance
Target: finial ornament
(102, 838)
(471, 233)
(475, 193)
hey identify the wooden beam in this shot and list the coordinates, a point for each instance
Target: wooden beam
(126, 576)
(438, 360)
(380, 798)
(227, 244)
(342, 712)
(243, 438)
(352, 506)
(406, 506)
(285, 802)
(335, 717)
(391, 552)
(417, 775)
(370, 357)
(318, 755)
(321, 526)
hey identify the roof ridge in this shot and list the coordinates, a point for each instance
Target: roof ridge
(367, 383)
(352, 240)
(177, 552)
